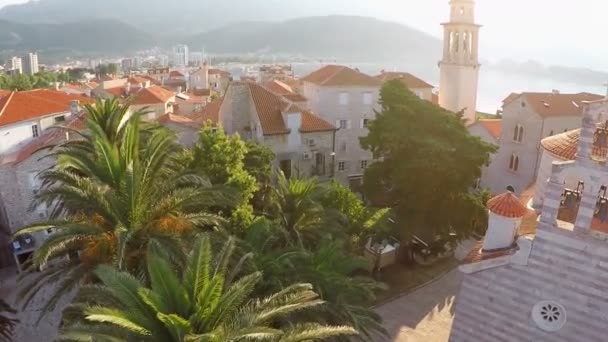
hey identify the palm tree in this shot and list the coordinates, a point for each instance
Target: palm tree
(332, 272)
(203, 304)
(7, 323)
(111, 193)
(296, 205)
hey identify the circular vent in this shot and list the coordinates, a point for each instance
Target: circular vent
(549, 316)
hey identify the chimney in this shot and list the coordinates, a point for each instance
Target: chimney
(74, 107)
(57, 86)
(505, 213)
(127, 89)
(555, 92)
(179, 89)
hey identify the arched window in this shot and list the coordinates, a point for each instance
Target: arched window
(521, 133)
(518, 133)
(514, 163)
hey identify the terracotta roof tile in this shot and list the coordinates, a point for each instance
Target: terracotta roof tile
(20, 106)
(493, 126)
(550, 104)
(339, 75)
(279, 87)
(406, 78)
(312, 123)
(152, 95)
(269, 108)
(137, 80)
(175, 73)
(211, 112)
(565, 145)
(179, 120)
(295, 97)
(507, 205)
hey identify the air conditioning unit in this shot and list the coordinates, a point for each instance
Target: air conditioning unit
(307, 156)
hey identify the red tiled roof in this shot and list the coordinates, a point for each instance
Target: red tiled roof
(4, 93)
(152, 95)
(270, 108)
(339, 75)
(116, 91)
(137, 80)
(555, 104)
(211, 112)
(178, 119)
(279, 87)
(312, 123)
(295, 97)
(507, 205)
(175, 73)
(565, 145)
(493, 126)
(406, 78)
(20, 106)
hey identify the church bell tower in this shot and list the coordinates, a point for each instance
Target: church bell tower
(459, 67)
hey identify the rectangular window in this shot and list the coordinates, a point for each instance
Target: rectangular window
(364, 164)
(364, 123)
(343, 124)
(341, 166)
(344, 98)
(367, 98)
(60, 118)
(35, 131)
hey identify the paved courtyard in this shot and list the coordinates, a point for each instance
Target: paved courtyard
(424, 315)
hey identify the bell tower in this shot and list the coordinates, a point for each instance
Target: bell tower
(459, 67)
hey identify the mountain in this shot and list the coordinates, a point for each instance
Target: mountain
(100, 35)
(183, 16)
(342, 37)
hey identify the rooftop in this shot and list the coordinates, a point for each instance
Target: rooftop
(152, 95)
(493, 126)
(20, 106)
(507, 205)
(565, 145)
(339, 75)
(406, 78)
(554, 103)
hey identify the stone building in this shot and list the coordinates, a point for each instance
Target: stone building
(302, 141)
(541, 276)
(27, 121)
(528, 118)
(421, 88)
(348, 98)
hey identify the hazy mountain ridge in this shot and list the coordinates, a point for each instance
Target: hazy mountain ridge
(102, 35)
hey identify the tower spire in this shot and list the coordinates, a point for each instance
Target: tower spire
(460, 63)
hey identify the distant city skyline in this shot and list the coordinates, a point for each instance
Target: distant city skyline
(542, 30)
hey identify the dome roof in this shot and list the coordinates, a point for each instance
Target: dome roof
(507, 205)
(564, 145)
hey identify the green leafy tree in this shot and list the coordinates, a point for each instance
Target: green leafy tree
(112, 192)
(203, 303)
(258, 163)
(222, 159)
(427, 163)
(7, 321)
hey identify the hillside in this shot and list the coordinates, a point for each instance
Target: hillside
(177, 16)
(102, 35)
(342, 37)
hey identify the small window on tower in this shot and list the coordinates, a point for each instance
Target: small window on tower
(461, 10)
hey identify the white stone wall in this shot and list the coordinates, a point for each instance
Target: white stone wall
(544, 172)
(325, 102)
(12, 136)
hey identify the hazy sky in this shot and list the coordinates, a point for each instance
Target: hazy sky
(550, 31)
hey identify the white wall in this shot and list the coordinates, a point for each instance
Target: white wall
(501, 232)
(15, 135)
